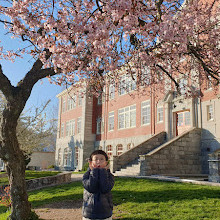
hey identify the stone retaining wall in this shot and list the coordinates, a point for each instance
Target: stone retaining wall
(39, 183)
(181, 155)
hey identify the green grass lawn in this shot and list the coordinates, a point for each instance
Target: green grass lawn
(143, 199)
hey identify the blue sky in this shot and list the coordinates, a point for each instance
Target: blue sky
(42, 91)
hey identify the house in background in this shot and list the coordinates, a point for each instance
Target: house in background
(124, 117)
(41, 160)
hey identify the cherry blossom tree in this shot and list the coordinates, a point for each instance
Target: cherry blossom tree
(73, 41)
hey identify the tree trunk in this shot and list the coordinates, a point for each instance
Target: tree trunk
(15, 165)
(20, 207)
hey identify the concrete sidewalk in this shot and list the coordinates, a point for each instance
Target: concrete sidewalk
(76, 177)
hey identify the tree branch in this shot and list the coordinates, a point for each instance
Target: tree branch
(5, 85)
(209, 71)
(167, 73)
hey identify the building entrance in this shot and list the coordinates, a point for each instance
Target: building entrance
(182, 122)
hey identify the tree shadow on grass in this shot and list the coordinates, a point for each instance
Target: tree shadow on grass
(136, 218)
(164, 195)
(71, 191)
(3, 209)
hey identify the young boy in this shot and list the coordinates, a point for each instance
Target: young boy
(98, 182)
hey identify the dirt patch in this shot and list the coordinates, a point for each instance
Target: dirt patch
(64, 210)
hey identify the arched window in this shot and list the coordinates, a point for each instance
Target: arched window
(119, 149)
(67, 157)
(76, 156)
(109, 150)
(59, 157)
(129, 146)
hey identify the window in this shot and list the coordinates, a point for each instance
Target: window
(63, 104)
(100, 125)
(129, 146)
(127, 84)
(119, 149)
(127, 117)
(101, 97)
(80, 98)
(209, 82)
(187, 118)
(79, 125)
(71, 103)
(67, 157)
(109, 150)
(76, 156)
(145, 113)
(62, 130)
(111, 91)
(122, 85)
(183, 86)
(70, 128)
(159, 114)
(180, 119)
(67, 129)
(111, 121)
(59, 157)
(210, 114)
(145, 78)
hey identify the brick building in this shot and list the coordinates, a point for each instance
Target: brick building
(123, 118)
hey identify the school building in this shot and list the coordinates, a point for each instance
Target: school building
(145, 131)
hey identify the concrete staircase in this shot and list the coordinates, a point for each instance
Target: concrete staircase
(132, 169)
(179, 156)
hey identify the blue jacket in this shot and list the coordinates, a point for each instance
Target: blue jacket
(97, 197)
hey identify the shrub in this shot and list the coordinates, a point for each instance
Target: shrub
(5, 198)
(85, 166)
(50, 167)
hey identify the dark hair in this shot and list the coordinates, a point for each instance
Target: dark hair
(98, 152)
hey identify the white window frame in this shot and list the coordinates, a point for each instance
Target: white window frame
(119, 151)
(71, 103)
(100, 125)
(59, 157)
(210, 112)
(209, 83)
(125, 117)
(67, 157)
(80, 98)
(62, 130)
(159, 114)
(109, 152)
(183, 83)
(76, 156)
(127, 84)
(72, 127)
(63, 104)
(111, 121)
(67, 129)
(111, 91)
(79, 125)
(145, 106)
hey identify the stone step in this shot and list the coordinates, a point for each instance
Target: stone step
(132, 169)
(120, 173)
